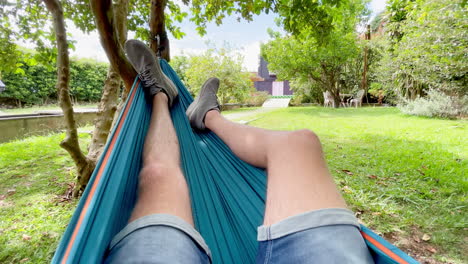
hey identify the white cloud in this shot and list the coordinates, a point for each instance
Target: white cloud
(251, 54)
(378, 5)
(87, 45)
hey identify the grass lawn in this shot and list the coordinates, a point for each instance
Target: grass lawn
(31, 110)
(404, 176)
(34, 177)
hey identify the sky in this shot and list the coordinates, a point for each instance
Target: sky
(242, 36)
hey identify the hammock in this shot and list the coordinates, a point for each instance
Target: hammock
(228, 195)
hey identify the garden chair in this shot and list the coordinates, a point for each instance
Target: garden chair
(358, 99)
(328, 99)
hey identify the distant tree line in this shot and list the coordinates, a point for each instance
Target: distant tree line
(34, 83)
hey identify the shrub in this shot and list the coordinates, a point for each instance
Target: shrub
(35, 83)
(296, 100)
(436, 104)
(257, 98)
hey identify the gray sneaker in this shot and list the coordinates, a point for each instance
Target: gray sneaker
(147, 65)
(206, 101)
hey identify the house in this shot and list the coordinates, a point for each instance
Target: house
(266, 81)
(2, 86)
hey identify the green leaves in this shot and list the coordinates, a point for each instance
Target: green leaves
(235, 84)
(431, 51)
(34, 83)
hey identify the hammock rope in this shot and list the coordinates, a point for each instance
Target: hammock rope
(228, 195)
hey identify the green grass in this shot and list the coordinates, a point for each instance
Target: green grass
(34, 174)
(409, 174)
(31, 110)
(406, 177)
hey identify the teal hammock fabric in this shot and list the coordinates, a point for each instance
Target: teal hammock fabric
(228, 195)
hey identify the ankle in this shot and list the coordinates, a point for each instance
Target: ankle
(161, 98)
(211, 116)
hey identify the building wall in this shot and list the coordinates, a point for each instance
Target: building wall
(267, 84)
(287, 88)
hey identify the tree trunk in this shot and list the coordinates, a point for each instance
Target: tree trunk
(106, 25)
(336, 97)
(110, 95)
(364, 85)
(336, 101)
(158, 29)
(70, 143)
(105, 116)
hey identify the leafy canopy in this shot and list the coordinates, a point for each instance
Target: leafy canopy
(235, 84)
(315, 60)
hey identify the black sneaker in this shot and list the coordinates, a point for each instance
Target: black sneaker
(147, 65)
(206, 101)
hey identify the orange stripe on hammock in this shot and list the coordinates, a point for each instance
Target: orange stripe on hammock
(98, 176)
(387, 251)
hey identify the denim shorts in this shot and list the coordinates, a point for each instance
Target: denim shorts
(321, 236)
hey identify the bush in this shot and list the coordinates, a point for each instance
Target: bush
(306, 92)
(436, 104)
(257, 98)
(296, 100)
(35, 83)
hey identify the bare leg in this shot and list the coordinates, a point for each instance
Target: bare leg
(162, 187)
(298, 177)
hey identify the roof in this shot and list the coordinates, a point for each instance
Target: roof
(2, 84)
(255, 78)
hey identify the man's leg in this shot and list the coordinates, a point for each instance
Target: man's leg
(160, 229)
(162, 187)
(298, 178)
(306, 220)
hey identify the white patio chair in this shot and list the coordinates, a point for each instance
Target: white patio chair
(357, 100)
(328, 99)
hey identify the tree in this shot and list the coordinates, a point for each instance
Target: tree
(180, 65)
(235, 84)
(110, 19)
(434, 46)
(430, 52)
(31, 20)
(316, 58)
(70, 143)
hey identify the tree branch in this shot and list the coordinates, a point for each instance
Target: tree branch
(105, 23)
(158, 28)
(110, 93)
(70, 143)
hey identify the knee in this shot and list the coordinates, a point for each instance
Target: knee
(156, 173)
(304, 138)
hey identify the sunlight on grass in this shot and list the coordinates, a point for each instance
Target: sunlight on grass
(397, 172)
(34, 175)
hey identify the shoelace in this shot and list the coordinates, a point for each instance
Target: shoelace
(147, 79)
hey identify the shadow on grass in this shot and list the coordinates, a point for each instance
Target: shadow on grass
(345, 112)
